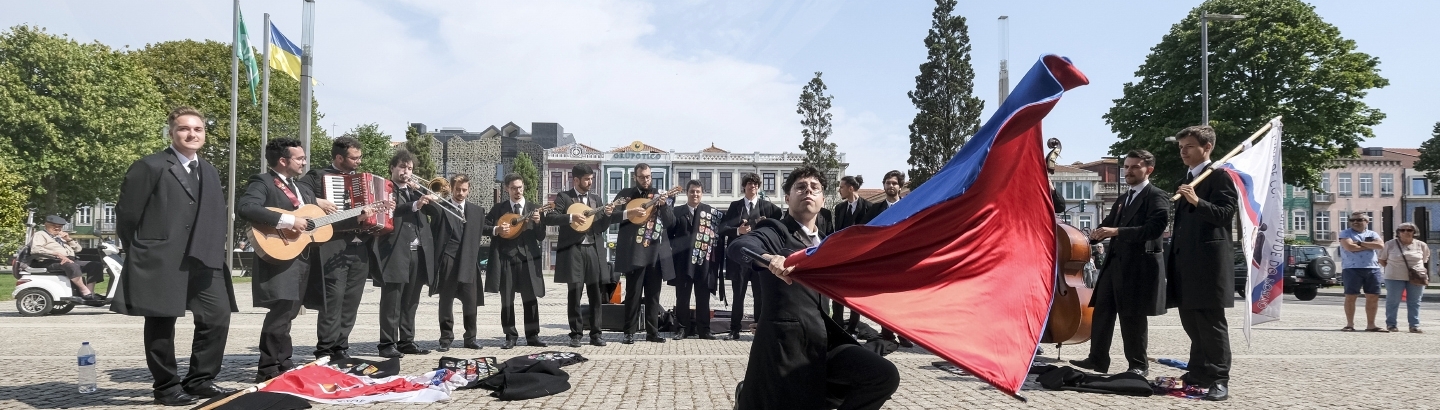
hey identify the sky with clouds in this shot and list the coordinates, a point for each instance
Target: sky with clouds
(684, 74)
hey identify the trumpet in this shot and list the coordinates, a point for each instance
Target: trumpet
(439, 187)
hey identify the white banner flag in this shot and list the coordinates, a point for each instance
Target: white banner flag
(1261, 187)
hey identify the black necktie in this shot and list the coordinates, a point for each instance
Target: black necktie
(517, 208)
(194, 172)
(1189, 176)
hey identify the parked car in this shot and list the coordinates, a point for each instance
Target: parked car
(1307, 269)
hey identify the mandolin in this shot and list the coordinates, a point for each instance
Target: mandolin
(518, 223)
(588, 213)
(647, 206)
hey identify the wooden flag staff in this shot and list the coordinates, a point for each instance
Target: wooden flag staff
(209, 406)
(1238, 149)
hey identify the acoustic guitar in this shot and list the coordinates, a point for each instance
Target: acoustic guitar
(520, 223)
(647, 206)
(277, 245)
(588, 213)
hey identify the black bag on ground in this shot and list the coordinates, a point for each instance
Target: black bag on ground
(1068, 378)
(522, 378)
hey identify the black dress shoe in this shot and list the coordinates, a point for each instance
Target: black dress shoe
(906, 343)
(734, 335)
(389, 352)
(1088, 364)
(413, 349)
(629, 339)
(261, 377)
(509, 344)
(654, 339)
(595, 340)
(1218, 392)
(443, 347)
(339, 355)
(1141, 372)
(535, 342)
(574, 342)
(681, 335)
(178, 398)
(470, 344)
(210, 390)
(706, 336)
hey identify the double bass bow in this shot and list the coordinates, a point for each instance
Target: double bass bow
(1070, 312)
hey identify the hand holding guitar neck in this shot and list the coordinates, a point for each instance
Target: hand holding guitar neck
(640, 210)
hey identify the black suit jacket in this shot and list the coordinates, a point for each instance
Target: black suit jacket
(468, 259)
(729, 225)
(411, 223)
(1133, 273)
(690, 226)
(630, 252)
(157, 188)
(504, 253)
(344, 232)
(286, 280)
(1201, 261)
(845, 219)
(876, 208)
(568, 263)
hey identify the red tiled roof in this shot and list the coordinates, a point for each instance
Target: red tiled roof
(648, 148)
(712, 149)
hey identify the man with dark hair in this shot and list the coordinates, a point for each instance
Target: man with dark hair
(405, 259)
(515, 262)
(1201, 281)
(738, 220)
(279, 285)
(690, 240)
(852, 210)
(578, 260)
(1131, 284)
(340, 266)
(643, 253)
(169, 218)
(457, 245)
(893, 181)
(801, 359)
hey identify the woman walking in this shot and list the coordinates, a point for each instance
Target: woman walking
(1398, 257)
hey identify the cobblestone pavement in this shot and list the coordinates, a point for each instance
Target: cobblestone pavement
(1300, 362)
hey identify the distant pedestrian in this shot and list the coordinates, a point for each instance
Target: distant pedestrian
(1398, 257)
(1360, 270)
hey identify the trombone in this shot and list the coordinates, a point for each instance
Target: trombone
(439, 187)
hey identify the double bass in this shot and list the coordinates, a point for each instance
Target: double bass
(1070, 312)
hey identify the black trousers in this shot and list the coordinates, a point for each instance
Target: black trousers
(275, 344)
(697, 321)
(452, 289)
(590, 259)
(517, 280)
(398, 302)
(209, 302)
(1134, 332)
(744, 275)
(859, 378)
(1209, 345)
(344, 276)
(837, 312)
(643, 286)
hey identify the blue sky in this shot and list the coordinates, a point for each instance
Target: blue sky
(683, 74)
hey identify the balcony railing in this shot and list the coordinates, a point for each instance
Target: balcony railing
(1324, 198)
(1324, 236)
(107, 227)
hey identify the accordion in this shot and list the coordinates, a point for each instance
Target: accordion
(357, 190)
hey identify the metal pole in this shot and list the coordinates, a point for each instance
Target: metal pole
(265, 95)
(1204, 70)
(234, 127)
(307, 54)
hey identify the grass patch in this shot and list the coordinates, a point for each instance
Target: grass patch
(7, 285)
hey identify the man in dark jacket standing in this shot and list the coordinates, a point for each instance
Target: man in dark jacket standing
(458, 260)
(171, 218)
(1202, 281)
(1132, 278)
(405, 261)
(691, 240)
(742, 215)
(279, 285)
(515, 262)
(852, 210)
(643, 253)
(578, 260)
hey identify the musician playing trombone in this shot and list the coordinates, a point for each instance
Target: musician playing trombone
(578, 257)
(405, 258)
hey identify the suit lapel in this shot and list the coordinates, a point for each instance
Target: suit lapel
(180, 174)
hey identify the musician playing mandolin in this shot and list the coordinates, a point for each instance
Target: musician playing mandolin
(578, 255)
(515, 263)
(279, 285)
(643, 253)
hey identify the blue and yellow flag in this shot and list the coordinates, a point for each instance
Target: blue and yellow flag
(284, 55)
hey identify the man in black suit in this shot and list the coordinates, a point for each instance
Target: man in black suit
(1202, 283)
(853, 210)
(578, 260)
(643, 253)
(1132, 278)
(691, 241)
(738, 220)
(515, 263)
(458, 255)
(279, 285)
(405, 261)
(341, 265)
(893, 181)
(170, 217)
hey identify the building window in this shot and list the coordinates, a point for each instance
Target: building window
(658, 181)
(767, 182)
(705, 182)
(1084, 222)
(1322, 224)
(1387, 185)
(1298, 191)
(1325, 182)
(1343, 184)
(1419, 186)
(1300, 223)
(617, 178)
(555, 181)
(727, 183)
(684, 177)
(1367, 187)
(84, 216)
(1074, 190)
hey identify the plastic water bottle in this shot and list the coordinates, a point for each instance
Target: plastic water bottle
(86, 360)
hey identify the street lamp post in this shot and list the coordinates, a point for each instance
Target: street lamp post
(1205, 59)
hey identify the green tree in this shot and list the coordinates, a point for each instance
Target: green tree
(523, 166)
(814, 110)
(75, 116)
(419, 144)
(1429, 161)
(12, 207)
(375, 147)
(944, 94)
(1282, 59)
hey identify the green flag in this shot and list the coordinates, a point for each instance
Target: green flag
(247, 58)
